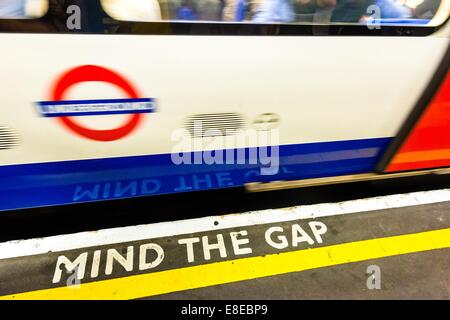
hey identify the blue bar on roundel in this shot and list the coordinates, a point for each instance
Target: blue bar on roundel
(73, 108)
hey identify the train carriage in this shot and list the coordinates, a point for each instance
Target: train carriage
(114, 99)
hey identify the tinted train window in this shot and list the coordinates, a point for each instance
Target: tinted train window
(23, 9)
(393, 12)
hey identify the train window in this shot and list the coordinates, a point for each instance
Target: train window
(23, 9)
(133, 10)
(389, 12)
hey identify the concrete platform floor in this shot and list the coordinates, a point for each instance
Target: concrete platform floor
(394, 247)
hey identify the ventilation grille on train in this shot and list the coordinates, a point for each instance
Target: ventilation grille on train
(8, 138)
(214, 124)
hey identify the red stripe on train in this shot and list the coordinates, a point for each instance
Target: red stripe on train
(428, 144)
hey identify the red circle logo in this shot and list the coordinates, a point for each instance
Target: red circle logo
(89, 73)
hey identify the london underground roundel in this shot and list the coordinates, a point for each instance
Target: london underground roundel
(66, 110)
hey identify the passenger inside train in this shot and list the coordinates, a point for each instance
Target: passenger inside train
(256, 11)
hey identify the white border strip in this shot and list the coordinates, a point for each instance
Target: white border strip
(21, 248)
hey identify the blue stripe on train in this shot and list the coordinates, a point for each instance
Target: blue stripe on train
(56, 183)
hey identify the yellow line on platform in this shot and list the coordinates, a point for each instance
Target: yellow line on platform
(145, 285)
